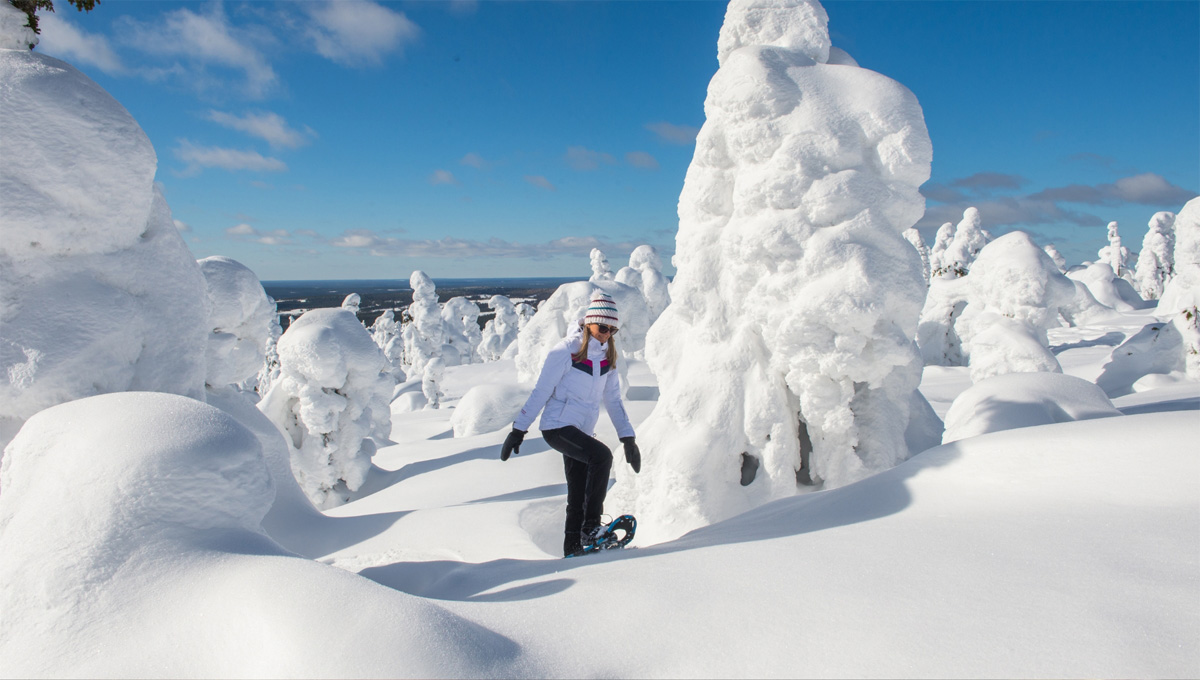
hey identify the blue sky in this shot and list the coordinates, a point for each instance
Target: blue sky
(348, 140)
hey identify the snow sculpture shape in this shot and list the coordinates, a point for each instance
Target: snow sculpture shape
(501, 331)
(425, 336)
(1180, 300)
(1017, 400)
(995, 318)
(1114, 254)
(1157, 349)
(787, 349)
(914, 237)
(1156, 262)
(100, 293)
(240, 316)
(331, 396)
(460, 317)
(645, 273)
(352, 302)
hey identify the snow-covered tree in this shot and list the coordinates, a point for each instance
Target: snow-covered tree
(937, 254)
(1109, 289)
(501, 331)
(240, 316)
(1156, 262)
(645, 273)
(601, 271)
(914, 237)
(460, 317)
(352, 302)
(786, 355)
(331, 401)
(969, 239)
(525, 314)
(1180, 301)
(268, 373)
(386, 334)
(1114, 254)
(99, 291)
(431, 382)
(1056, 257)
(425, 336)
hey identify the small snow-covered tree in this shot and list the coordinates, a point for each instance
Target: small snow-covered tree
(269, 372)
(1180, 301)
(352, 302)
(431, 382)
(645, 273)
(601, 271)
(501, 331)
(969, 239)
(937, 254)
(331, 401)
(386, 334)
(425, 336)
(525, 314)
(1156, 262)
(460, 317)
(240, 315)
(914, 237)
(1114, 254)
(1056, 257)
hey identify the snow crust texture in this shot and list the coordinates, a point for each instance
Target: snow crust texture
(788, 338)
(88, 235)
(330, 400)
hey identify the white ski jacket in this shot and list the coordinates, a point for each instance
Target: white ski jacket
(571, 392)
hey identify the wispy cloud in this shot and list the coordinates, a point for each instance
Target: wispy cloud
(357, 32)
(540, 182)
(369, 242)
(674, 134)
(583, 158)
(245, 232)
(641, 159)
(66, 41)
(182, 226)
(474, 160)
(442, 177)
(203, 41)
(1145, 189)
(267, 126)
(197, 158)
(990, 180)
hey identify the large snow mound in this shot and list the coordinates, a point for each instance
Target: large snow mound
(239, 317)
(98, 292)
(1014, 400)
(129, 547)
(487, 408)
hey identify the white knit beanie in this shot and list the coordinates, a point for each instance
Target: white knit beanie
(602, 310)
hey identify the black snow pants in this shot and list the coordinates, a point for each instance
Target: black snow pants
(587, 463)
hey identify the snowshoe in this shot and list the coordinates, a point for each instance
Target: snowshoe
(616, 534)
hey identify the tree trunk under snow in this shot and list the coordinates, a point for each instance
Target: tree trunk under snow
(786, 359)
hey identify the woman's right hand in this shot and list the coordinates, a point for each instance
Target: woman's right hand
(512, 443)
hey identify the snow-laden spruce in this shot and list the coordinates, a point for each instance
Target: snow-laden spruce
(995, 318)
(386, 334)
(645, 273)
(937, 254)
(961, 251)
(240, 316)
(501, 331)
(1156, 262)
(331, 402)
(914, 237)
(1180, 302)
(352, 302)
(1114, 254)
(425, 336)
(100, 293)
(787, 350)
(460, 317)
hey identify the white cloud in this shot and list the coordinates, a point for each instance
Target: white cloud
(357, 32)
(388, 246)
(442, 177)
(66, 41)
(245, 232)
(199, 157)
(641, 159)
(242, 229)
(182, 226)
(474, 160)
(582, 158)
(203, 40)
(540, 182)
(1144, 189)
(674, 134)
(265, 125)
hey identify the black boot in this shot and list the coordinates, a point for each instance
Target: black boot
(571, 544)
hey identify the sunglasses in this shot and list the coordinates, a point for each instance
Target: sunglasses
(605, 329)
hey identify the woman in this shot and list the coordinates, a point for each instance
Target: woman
(578, 373)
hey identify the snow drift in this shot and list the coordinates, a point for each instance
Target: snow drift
(786, 355)
(100, 294)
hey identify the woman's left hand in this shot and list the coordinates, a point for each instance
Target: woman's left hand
(632, 455)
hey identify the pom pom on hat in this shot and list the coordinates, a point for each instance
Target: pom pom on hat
(602, 310)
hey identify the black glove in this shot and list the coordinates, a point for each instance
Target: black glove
(512, 443)
(632, 455)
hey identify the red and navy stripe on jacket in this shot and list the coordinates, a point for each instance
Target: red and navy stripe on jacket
(586, 366)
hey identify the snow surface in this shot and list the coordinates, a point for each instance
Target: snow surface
(1013, 400)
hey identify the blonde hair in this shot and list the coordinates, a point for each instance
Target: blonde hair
(581, 355)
